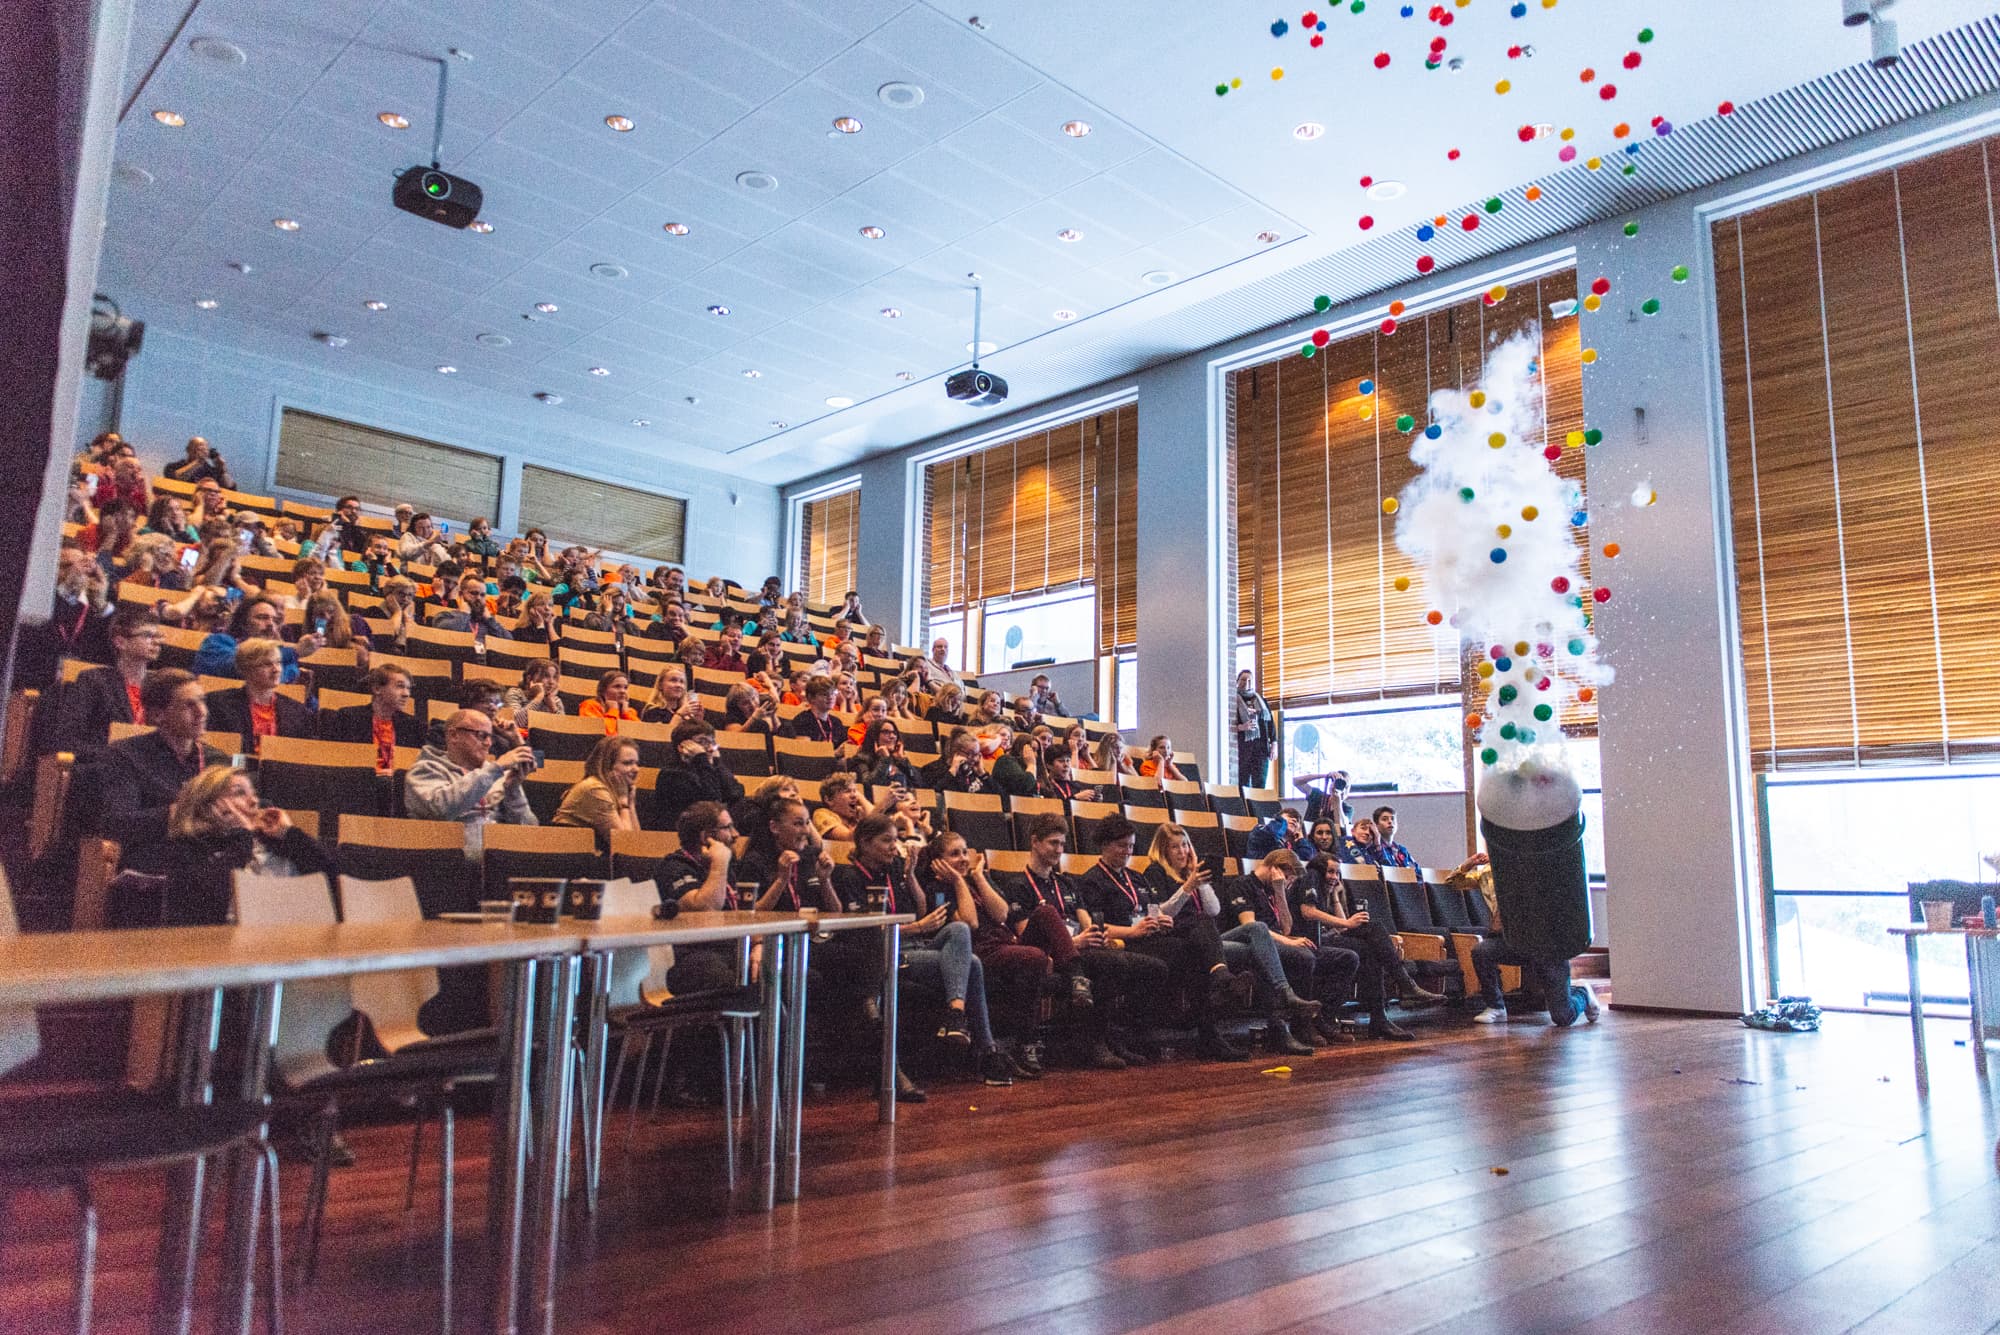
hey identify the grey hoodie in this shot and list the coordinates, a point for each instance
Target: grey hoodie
(439, 788)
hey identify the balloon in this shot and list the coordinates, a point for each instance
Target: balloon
(1321, 338)
(1465, 494)
(1433, 431)
(1507, 731)
(1477, 398)
(1307, 350)
(1592, 436)
(1306, 738)
(1600, 286)
(1505, 530)
(1588, 356)
(1592, 302)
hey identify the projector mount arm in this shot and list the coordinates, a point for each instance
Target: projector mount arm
(437, 122)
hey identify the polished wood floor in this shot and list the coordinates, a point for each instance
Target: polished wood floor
(1647, 1174)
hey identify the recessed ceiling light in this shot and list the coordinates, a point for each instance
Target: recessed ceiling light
(600, 370)
(131, 173)
(172, 118)
(1388, 190)
(780, 426)
(642, 421)
(205, 303)
(1268, 238)
(479, 225)
(839, 401)
(1065, 315)
(375, 304)
(900, 95)
(984, 347)
(1076, 129)
(622, 124)
(548, 398)
(546, 307)
(604, 270)
(1308, 130)
(872, 232)
(847, 124)
(718, 309)
(1156, 277)
(904, 375)
(489, 339)
(1069, 234)
(757, 180)
(395, 120)
(751, 373)
(892, 312)
(285, 224)
(447, 370)
(217, 50)
(674, 228)
(241, 267)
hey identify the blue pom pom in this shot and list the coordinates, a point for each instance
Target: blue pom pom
(1498, 554)
(1409, 11)
(1280, 28)
(1503, 663)
(1519, 11)
(1433, 431)
(1320, 26)
(1579, 519)
(1425, 232)
(1368, 387)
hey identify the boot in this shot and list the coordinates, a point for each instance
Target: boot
(1380, 1026)
(1278, 1041)
(1297, 1006)
(1124, 1049)
(1413, 996)
(1332, 1030)
(1098, 1057)
(1303, 1031)
(1228, 992)
(1214, 1047)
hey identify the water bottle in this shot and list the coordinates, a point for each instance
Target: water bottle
(1986, 911)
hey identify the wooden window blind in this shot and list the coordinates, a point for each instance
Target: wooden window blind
(1857, 331)
(1317, 558)
(827, 546)
(1048, 510)
(603, 515)
(323, 456)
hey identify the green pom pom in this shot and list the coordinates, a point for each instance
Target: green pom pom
(1307, 350)
(1576, 646)
(1357, 6)
(1488, 756)
(1631, 229)
(1680, 273)
(1406, 423)
(1507, 694)
(1650, 306)
(1322, 303)
(1222, 90)
(1494, 205)
(1592, 436)
(1465, 493)
(1507, 731)
(1544, 713)
(1645, 34)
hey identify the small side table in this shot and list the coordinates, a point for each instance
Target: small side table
(1977, 941)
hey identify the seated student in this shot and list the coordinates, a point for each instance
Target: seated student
(400, 611)
(467, 610)
(1056, 780)
(795, 628)
(958, 770)
(1358, 844)
(727, 655)
(612, 703)
(605, 799)
(103, 696)
(537, 623)
(880, 762)
(383, 720)
(462, 780)
(948, 871)
(479, 539)
(169, 517)
(745, 709)
(1566, 998)
(873, 709)
(201, 464)
(875, 643)
(422, 544)
(1175, 868)
(850, 612)
(153, 561)
(510, 599)
(785, 869)
(1158, 762)
(1387, 851)
(692, 774)
(816, 723)
(1042, 697)
(1183, 938)
(255, 710)
(991, 725)
(1115, 975)
(539, 692)
(256, 618)
(936, 948)
(1112, 755)
(671, 700)
(1261, 897)
(139, 778)
(842, 807)
(697, 877)
(795, 686)
(1014, 772)
(1382, 972)
(215, 828)
(1283, 830)
(377, 560)
(328, 619)
(669, 623)
(947, 704)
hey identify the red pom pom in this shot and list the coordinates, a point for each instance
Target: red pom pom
(1434, 617)
(1631, 60)
(1445, 22)
(1658, 121)
(1726, 109)
(1367, 181)
(1601, 594)
(1309, 19)
(1366, 222)
(1553, 453)
(1587, 74)
(1513, 53)
(1470, 222)
(1560, 584)
(1319, 39)
(1437, 43)
(1321, 338)
(1452, 156)
(1388, 326)
(1425, 264)
(1527, 133)
(1609, 91)
(1381, 60)
(1601, 286)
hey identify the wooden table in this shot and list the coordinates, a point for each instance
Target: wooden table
(1977, 941)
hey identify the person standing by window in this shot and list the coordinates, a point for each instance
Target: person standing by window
(1250, 720)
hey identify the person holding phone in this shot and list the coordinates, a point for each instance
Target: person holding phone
(462, 780)
(747, 710)
(692, 774)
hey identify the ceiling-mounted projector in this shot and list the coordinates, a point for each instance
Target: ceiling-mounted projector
(430, 191)
(981, 389)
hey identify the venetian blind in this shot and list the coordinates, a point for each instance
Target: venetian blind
(827, 547)
(323, 456)
(602, 515)
(1117, 528)
(1315, 456)
(1857, 332)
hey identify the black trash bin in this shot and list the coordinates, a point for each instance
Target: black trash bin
(1544, 892)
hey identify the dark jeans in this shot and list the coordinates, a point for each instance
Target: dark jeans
(1379, 964)
(1114, 974)
(1334, 970)
(1253, 758)
(1565, 1000)
(1190, 951)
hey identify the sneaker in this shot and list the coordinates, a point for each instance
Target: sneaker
(1491, 1015)
(954, 1030)
(1028, 1061)
(1590, 1006)
(1098, 1057)
(996, 1070)
(1386, 1028)
(1079, 990)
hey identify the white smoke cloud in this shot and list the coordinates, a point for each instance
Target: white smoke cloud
(1493, 527)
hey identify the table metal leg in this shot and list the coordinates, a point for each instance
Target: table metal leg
(180, 1219)
(791, 1098)
(246, 1193)
(1972, 962)
(1917, 1014)
(510, 1160)
(892, 952)
(765, 1117)
(553, 1133)
(594, 1037)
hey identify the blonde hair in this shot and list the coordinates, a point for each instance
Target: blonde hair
(252, 651)
(604, 756)
(190, 817)
(1109, 748)
(158, 545)
(1171, 836)
(326, 606)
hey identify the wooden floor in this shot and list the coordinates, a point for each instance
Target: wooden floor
(1647, 1174)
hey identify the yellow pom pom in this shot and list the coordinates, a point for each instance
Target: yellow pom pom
(1497, 439)
(1390, 505)
(1505, 530)
(1485, 669)
(1588, 357)
(1402, 583)
(1574, 439)
(1502, 86)
(1478, 398)
(1498, 292)
(1520, 648)
(1592, 302)
(1278, 72)
(1530, 513)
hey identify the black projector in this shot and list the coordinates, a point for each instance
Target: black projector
(438, 195)
(981, 389)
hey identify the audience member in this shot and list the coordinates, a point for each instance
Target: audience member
(612, 703)
(947, 705)
(221, 567)
(671, 700)
(842, 807)
(421, 544)
(1112, 757)
(255, 618)
(1284, 830)
(949, 871)
(606, 798)
(958, 769)
(255, 710)
(1387, 851)
(692, 774)
(1159, 760)
(816, 723)
(215, 828)
(139, 777)
(1382, 972)
(1042, 698)
(103, 696)
(697, 877)
(727, 655)
(538, 692)
(1261, 897)
(537, 622)
(746, 710)
(880, 761)
(875, 709)
(850, 610)
(479, 539)
(383, 721)
(1014, 772)
(467, 611)
(461, 780)
(168, 516)
(1057, 781)
(785, 869)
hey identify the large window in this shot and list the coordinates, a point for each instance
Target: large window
(323, 456)
(620, 520)
(828, 530)
(1364, 682)
(1857, 327)
(1036, 539)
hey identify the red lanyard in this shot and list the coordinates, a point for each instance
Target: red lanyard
(1055, 881)
(1123, 880)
